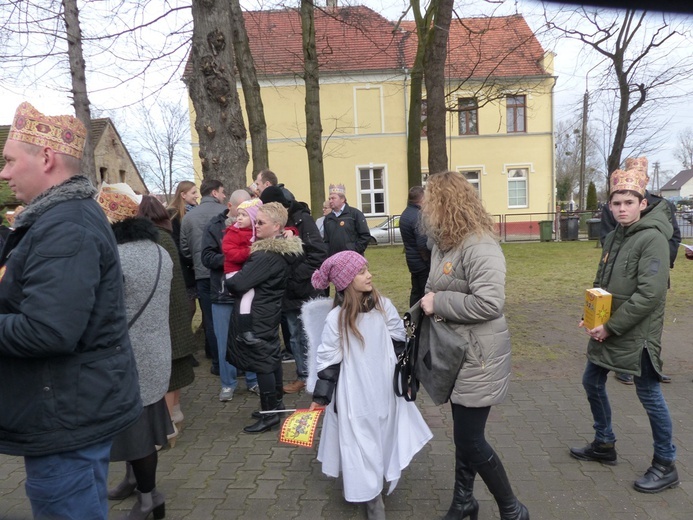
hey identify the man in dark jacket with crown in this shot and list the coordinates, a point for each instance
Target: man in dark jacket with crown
(68, 381)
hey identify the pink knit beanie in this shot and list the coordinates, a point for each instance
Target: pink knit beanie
(251, 207)
(340, 269)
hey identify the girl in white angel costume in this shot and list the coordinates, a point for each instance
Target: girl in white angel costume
(368, 433)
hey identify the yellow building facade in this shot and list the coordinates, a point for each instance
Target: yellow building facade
(500, 129)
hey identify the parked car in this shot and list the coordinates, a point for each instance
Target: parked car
(386, 232)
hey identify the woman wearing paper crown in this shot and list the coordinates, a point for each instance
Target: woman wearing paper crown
(634, 268)
(368, 434)
(147, 276)
(466, 286)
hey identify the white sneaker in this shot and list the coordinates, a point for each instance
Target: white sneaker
(255, 389)
(226, 394)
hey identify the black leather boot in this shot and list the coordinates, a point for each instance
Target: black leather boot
(597, 452)
(463, 502)
(493, 474)
(660, 476)
(268, 401)
(126, 487)
(280, 406)
(245, 334)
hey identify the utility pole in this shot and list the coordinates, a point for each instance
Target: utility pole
(655, 179)
(583, 148)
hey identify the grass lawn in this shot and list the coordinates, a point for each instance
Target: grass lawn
(545, 285)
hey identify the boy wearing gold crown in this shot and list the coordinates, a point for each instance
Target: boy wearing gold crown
(634, 268)
(68, 381)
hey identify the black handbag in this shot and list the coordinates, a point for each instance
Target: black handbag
(405, 382)
(436, 356)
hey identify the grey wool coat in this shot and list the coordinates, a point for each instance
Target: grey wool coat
(149, 335)
(469, 287)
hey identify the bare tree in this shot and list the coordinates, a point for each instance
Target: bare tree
(477, 64)
(568, 150)
(38, 36)
(218, 117)
(162, 147)
(311, 71)
(251, 90)
(79, 83)
(645, 58)
(684, 148)
(435, 54)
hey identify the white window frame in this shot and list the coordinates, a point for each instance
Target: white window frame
(514, 180)
(372, 191)
(476, 183)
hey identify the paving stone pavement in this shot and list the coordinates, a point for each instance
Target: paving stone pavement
(215, 471)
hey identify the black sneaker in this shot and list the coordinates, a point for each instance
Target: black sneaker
(287, 357)
(597, 452)
(658, 477)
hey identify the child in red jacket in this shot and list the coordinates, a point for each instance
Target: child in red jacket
(236, 247)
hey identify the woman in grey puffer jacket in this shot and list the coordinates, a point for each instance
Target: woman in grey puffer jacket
(466, 286)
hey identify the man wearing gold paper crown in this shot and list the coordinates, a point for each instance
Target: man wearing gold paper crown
(635, 269)
(608, 223)
(68, 381)
(345, 228)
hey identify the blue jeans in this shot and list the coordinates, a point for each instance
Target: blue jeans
(648, 391)
(297, 340)
(227, 372)
(72, 485)
(204, 295)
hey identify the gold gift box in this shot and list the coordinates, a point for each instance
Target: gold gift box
(597, 308)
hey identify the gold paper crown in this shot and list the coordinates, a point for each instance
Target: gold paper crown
(64, 134)
(118, 201)
(339, 189)
(634, 180)
(637, 163)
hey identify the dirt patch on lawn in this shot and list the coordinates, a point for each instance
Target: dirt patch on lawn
(547, 344)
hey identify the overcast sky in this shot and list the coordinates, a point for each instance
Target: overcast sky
(571, 66)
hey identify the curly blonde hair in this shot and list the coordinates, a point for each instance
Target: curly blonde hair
(452, 210)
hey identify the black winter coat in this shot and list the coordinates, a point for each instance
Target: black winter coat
(347, 232)
(213, 258)
(67, 372)
(415, 251)
(266, 270)
(298, 287)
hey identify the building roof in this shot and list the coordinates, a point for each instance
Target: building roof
(679, 180)
(356, 39)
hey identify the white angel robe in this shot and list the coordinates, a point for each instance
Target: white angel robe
(373, 434)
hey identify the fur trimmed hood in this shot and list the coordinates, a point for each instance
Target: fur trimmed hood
(135, 229)
(76, 187)
(283, 246)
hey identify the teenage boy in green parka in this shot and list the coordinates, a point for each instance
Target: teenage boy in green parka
(634, 268)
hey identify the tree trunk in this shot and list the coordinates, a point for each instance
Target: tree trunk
(414, 124)
(79, 84)
(434, 74)
(251, 90)
(212, 87)
(313, 123)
